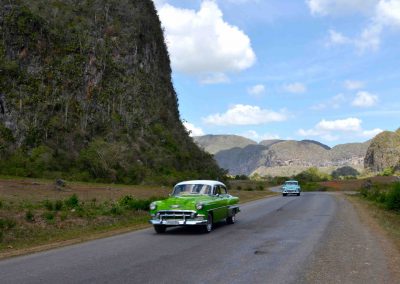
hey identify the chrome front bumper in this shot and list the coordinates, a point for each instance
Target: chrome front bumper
(177, 222)
(177, 218)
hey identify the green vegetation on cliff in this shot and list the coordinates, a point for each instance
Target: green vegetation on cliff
(86, 94)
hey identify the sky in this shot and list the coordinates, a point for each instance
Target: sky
(325, 70)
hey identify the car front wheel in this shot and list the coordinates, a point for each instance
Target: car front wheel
(231, 219)
(160, 229)
(209, 226)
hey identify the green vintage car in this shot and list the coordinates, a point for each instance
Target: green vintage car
(195, 203)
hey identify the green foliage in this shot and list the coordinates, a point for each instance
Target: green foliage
(311, 175)
(48, 216)
(388, 197)
(129, 202)
(313, 186)
(345, 171)
(389, 171)
(29, 216)
(392, 199)
(72, 201)
(48, 205)
(241, 177)
(7, 223)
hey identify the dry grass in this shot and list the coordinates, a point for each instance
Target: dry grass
(389, 221)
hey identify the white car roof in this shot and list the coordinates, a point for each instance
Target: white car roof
(207, 182)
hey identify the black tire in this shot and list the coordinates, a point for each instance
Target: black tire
(298, 194)
(231, 220)
(284, 194)
(209, 226)
(160, 229)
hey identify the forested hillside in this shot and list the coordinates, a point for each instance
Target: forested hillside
(86, 94)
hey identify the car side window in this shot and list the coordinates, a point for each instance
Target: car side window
(217, 190)
(223, 190)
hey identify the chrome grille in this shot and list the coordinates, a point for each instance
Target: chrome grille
(174, 214)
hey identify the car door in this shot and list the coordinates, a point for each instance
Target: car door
(220, 198)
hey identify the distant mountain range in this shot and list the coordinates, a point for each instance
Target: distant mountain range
(240, 155)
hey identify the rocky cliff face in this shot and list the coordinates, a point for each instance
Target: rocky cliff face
(280, 157)
(86, 89)
(384, 152)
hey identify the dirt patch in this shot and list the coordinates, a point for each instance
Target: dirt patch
(356, 184)
(389, 243)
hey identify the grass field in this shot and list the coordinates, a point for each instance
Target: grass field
(38, 213)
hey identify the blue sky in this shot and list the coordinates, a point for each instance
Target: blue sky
(326, 70)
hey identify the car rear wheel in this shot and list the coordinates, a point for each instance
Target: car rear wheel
(160, 229)
(231, 219)
(209, 226)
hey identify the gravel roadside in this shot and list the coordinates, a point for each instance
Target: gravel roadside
(351, 251)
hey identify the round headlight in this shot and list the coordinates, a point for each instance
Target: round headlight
(199, 206)
(153, 206)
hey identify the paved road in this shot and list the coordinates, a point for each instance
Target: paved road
(275, 240)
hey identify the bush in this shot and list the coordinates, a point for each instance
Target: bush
(58, 205)
(345, 171)
(7, 223)
(49, 216)
(392, 199)
(48, 205)
(72, 201)
(29, 216)
(311, 175)
(388, 171)
(129, 202)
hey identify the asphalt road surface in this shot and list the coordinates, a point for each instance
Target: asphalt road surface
(313, 238)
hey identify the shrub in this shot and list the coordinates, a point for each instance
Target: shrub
(58, 204)
(48, 205)
(388, 171)
(72, 201)
(29, 216)
(392, 199)
(49, 216)
(345, 171)
(7, 223)
(115, 210)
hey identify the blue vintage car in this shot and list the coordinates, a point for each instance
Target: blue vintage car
(291, 187)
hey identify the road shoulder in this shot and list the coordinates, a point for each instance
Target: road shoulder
(352, 250)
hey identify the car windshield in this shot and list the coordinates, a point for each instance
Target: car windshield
(291, 183)
(183, 189)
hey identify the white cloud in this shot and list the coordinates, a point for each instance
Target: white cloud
(295, 88)
(388, 12)
(254, 135)
(256, 90)
(336, 38)
(371, 133)
(338, 7)
(325, 127)
(353, 85)
(245, 115)
(370, 38)
(331, 130)
(215, 78)
(194, 131)
(201, 42)
(365, 99)
(381, 13)
(348, 124)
